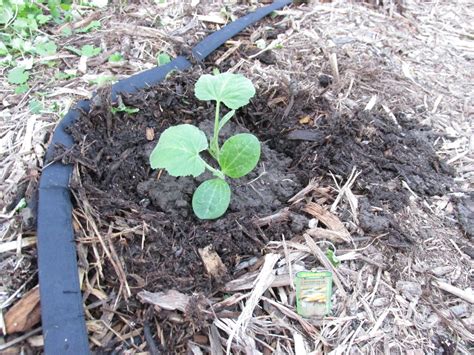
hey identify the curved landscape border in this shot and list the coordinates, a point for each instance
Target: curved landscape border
(62, 313)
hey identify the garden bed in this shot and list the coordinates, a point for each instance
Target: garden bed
(354, 107)
(136, 229)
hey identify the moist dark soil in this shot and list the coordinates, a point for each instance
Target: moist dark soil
(112, 153)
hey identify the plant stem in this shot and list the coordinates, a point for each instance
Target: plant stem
(214, 150)
(215, 171)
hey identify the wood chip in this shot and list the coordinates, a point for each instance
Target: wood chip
(24, 314)
(213, 18)
(16, 244)
(331, 221)
(170, 300)
(150, 133)
(467, 295)
(323, 233)
(247, 282)
(212, 262)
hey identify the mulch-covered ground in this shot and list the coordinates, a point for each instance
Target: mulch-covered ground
(365, 150)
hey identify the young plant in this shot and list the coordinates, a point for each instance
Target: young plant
(179, 146)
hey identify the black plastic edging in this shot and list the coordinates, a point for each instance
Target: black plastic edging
(62, 312)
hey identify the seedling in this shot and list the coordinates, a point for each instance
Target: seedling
(121, 107)
(163, 58)
(115, 58)
(18, 75)
(179, 147)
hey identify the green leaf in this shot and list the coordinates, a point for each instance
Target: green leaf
(22, 204)
(94, 25)
(178, 150)
(54, 8)
(6, 14)
(211, 199)
(18, 76)
(89, 50)
(64, 75)
(18, 44)
(123, 108)
(331, 255)
(46, 48)
(163, 59)
(21, 89)
(66, 31)
(3, 49)
(42, 19)
(234, 90)
(115, 58)
(73, 50)
(239, 155)
(35, 106)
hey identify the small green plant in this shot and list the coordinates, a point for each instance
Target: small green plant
(89, 50)
(121, 107)
(179, 147)
(115, 58)
(94, 25)
(18, 75)
(163, 58)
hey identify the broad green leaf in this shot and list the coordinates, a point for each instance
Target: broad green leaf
(18, 76)
(6, 14)
(234, 90)
(90, 51)
(178, 150)
(163, 59)
(115, 58)
(66, 31)
(211, 199)
(239, 155)
(35, 106)
(42, 19)
(94, 25)
(3, 49)
(64, 75)
(21, 89)
(46, 48)
(19, 44)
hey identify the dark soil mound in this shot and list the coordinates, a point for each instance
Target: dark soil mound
(115, 177)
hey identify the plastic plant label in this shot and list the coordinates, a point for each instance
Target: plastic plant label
(313, 293)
